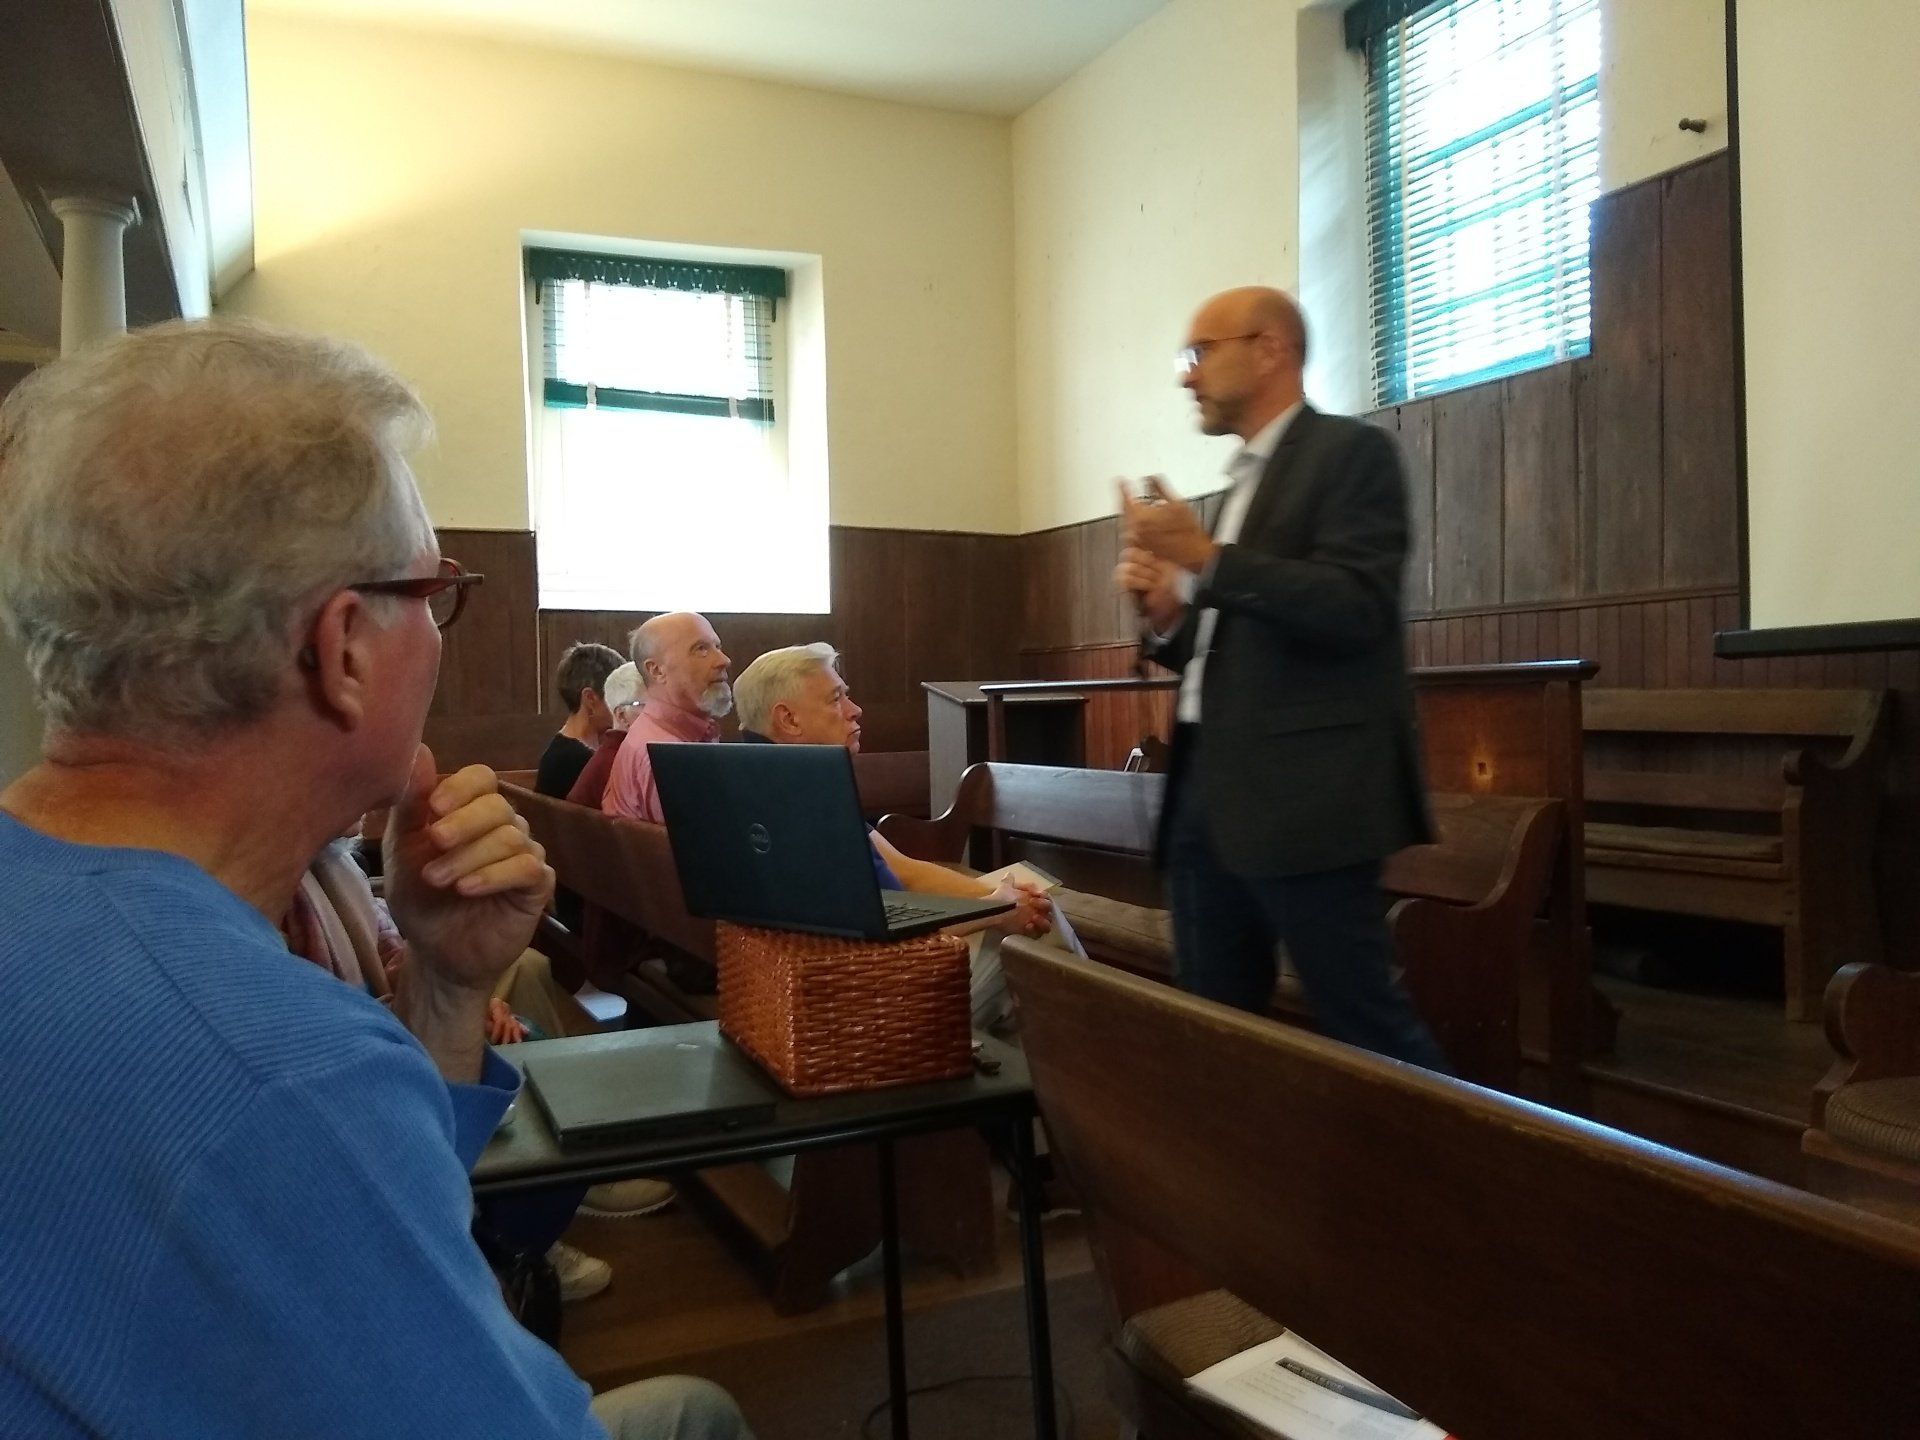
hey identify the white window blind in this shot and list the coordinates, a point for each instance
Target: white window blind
(660, 476)
(635, 347)
(1483, 126)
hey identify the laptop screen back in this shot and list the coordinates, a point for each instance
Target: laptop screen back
(770, 835)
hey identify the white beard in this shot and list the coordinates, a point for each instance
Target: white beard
(717, 701)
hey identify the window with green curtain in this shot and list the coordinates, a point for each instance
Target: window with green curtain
(1483, 128)
(636, 333)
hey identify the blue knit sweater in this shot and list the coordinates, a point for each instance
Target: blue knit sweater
(233, 1191)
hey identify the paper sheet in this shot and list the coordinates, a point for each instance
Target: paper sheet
(1305, 1394)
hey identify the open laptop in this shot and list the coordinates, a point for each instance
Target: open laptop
(676, 1080)
(771, 835)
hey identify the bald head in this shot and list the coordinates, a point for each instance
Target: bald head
(1246, 350)
(681, 663)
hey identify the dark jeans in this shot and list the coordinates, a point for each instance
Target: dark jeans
(1333, 924)
(529, 1221)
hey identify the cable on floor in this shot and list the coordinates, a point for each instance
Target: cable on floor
(1068, 1423)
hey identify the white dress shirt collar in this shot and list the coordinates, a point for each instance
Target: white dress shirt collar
(1259, 450)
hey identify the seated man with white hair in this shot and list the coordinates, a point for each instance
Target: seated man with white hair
(796, 696)
(235, 1198)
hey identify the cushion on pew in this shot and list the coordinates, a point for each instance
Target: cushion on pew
(1675, 841)
(1116, 927)
(1169, 1343)
(1880, 1116)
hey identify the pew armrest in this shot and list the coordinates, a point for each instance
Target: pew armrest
(1873, 1025)
(943, 839)
(1462, 962)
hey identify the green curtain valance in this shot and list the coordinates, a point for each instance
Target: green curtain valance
(1365, 19)
(559, 395)
(767, 281)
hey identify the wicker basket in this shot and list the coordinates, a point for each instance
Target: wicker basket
(824, 1015)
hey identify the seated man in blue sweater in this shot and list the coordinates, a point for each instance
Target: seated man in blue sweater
(224, 1170)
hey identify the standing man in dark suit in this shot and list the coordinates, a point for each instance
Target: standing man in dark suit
(1295, 768)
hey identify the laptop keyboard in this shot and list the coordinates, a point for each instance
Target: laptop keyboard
(901, 912)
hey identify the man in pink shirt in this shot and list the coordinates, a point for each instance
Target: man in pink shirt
(685, 674)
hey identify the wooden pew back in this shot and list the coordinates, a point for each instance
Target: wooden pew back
(1512, 1272)
(1753, 805)
(1462, 921)
(1833, 713)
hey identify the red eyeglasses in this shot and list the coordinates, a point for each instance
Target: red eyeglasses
(445, 593)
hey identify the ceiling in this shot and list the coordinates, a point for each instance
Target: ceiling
(991, 56)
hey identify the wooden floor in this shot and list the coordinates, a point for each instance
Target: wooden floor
(679, 1291)
(1738, 1050)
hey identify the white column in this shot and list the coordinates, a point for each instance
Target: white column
(93, 272)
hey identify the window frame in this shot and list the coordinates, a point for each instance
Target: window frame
(1377, 28)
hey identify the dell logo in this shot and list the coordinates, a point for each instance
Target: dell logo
(759, 839)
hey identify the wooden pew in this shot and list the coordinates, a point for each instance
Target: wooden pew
(799, 1235)
(1509, 1271)
(1863, 1143)
(1790, 846)
(1462, 922)
(1516, 730)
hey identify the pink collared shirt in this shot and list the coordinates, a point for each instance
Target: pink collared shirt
(631, 792)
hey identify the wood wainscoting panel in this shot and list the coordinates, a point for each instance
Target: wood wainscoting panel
(1413, 426)
(1626, 260)
(1700, 518)
(490, 660)
(908, 606)
(1542, 515)
(1468, 460)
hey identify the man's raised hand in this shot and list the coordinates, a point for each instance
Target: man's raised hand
(1165, 526)
(465, 881)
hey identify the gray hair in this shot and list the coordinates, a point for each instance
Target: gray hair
(622, 687)
(172, 498)
(775, 677)
(584, 666)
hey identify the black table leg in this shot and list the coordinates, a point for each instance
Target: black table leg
(890, 1267)
(1033, 1271)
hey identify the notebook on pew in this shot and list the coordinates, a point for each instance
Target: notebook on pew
(1302, 1393)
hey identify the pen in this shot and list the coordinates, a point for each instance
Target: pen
(1358, 1393)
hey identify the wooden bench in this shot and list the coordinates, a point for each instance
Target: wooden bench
(1863, 1145)
(1462, 921)
(1786, 843)
(802, 1234)
(1508, 1271)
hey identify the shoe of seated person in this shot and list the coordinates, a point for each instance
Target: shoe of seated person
(579, 1273)
(1057, 1198)
(623, 1199)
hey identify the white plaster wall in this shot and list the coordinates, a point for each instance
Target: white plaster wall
(395, 172)
(1660, 61)
(1162, 172)
(1829, 154)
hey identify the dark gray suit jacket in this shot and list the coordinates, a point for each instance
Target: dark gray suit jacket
(1308, 758)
